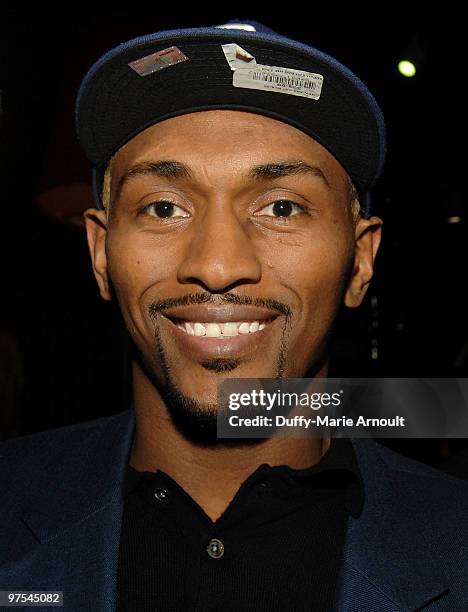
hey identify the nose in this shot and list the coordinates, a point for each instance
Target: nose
(221, 254)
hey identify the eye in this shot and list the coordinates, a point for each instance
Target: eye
(282, 209)
(163, 209)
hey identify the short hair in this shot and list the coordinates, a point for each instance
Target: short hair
(106, 193)
(106, 185)
(354, 202)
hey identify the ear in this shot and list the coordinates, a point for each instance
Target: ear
(368, 233)
(96, 232)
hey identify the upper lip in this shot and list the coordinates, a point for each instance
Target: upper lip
(205, 313)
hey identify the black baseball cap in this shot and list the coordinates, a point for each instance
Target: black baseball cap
(240, 65)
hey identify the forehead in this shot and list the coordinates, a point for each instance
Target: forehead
(227, 139)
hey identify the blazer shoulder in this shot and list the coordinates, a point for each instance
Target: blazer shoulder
(417, 486)
(34, 452)
(402, 463)
(410, 541)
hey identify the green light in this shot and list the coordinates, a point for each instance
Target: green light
(406, 68)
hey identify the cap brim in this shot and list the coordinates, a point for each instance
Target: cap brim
(115, 103)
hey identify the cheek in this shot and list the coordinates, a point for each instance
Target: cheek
(137, 263)
(314, 268)
(312, 263)
(324, 275)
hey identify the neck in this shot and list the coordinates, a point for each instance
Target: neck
(211, 475)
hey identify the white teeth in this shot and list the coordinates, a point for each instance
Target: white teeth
(230, 329)
(213, 330)
(199, 329)
(244, 328)
(218, 330)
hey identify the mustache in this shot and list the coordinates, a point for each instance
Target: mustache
(228, 298)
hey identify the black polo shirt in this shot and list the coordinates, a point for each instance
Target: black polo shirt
(277, 546)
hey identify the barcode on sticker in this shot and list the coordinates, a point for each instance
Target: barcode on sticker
(280, 80)
(284, 80)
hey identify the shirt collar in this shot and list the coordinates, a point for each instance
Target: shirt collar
(339, 461)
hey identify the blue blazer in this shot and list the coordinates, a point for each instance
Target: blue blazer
(61, 511)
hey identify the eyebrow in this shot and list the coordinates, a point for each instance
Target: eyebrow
(169, 169)
(279, 169)
(178, 170)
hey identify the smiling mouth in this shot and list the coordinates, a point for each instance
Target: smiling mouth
(222, 339)
(228, 329)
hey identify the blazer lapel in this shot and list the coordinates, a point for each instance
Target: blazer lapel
(391, 561)
(70, 533)
(67, 537)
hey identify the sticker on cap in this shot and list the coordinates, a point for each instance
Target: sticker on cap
(157, 61)
(279, 80)
(250, 75)
(237, 56)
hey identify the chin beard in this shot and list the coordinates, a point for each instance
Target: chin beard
(220, 365)
(197, 421)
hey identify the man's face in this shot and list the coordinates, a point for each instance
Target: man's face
(228, 222)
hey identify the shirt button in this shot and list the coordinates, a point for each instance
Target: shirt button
(215, 549)
(161, 495)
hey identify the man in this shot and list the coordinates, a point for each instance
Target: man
(231, 172)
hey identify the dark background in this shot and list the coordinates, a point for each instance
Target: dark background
(62, 349)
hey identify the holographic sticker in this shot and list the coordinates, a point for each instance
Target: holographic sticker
(157, 61)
